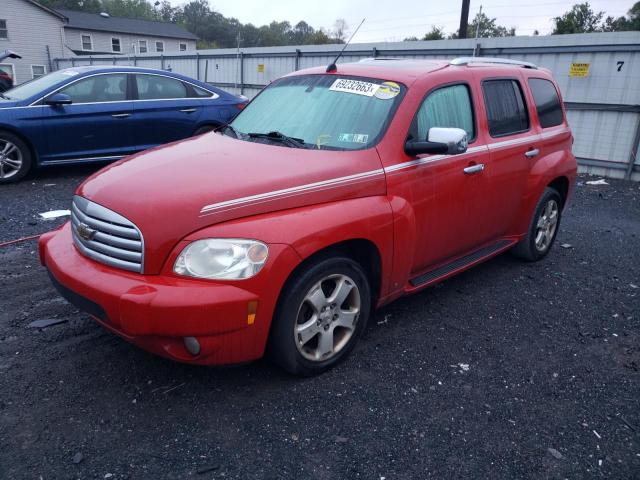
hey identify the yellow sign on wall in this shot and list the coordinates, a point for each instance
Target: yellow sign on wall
(579, 70)
(261, 68)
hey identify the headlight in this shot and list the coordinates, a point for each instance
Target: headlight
(222, 258)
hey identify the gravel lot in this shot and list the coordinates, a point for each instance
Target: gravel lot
(510, 370)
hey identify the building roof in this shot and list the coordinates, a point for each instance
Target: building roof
(47, 9)
(95, 21)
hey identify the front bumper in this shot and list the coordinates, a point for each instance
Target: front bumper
(157, 311)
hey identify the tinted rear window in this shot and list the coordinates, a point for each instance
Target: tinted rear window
(547, 102)
(506, 109)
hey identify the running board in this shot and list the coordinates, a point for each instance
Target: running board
(459, 263)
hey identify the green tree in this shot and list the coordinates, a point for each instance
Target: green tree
(436, 33)
(630, 22)
(129, 9)
(580, 19)
(91, 6)
(195, 16)
(488, 27)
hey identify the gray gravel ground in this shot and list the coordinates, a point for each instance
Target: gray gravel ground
(510, 370)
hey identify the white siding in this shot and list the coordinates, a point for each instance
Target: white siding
(102, 42)
(30, 30)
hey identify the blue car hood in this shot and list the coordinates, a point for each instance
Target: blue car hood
(9, 103)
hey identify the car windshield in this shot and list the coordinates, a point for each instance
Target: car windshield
(320, 111)
(39, 84)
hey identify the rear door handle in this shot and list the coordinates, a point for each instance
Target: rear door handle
(531, 153)
(188, 110)
(474, 169)
(121, 115)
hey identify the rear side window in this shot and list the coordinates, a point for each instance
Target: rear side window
(506, 110)
(445, 107)
(201, 92)
(157, 87)
(547, 102)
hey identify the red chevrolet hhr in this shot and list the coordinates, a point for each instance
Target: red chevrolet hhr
(330, 194)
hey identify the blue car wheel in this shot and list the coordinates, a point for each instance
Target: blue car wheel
(15, 158)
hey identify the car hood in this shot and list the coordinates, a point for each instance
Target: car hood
(172, 191)
(8, 103)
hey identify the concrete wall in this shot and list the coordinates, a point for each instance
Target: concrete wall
(102, 42)
(30, 30)
(603, 106)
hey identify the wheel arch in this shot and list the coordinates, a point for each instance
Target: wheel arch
(361, 250)
(13, 131)
(206, 123)
(561, 185)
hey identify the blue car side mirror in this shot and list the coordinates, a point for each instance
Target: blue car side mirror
(58, 99)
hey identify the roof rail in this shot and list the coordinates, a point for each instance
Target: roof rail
(501, 61)
(377, 59)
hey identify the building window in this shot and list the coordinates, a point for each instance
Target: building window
(183, 47)
(87, 42)
(4, 33)
(38, 71)
(115, 45)
(142, 46)
(159, 46)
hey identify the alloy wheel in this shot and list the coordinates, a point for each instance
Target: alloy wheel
(10, 159)
(546, 226)
(327, 317)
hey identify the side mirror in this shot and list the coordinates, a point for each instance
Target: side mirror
(447, 141)
(58, 99)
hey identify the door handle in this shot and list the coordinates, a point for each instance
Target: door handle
(188, 110)
(121, 115)
(470, 170)
(531, 153)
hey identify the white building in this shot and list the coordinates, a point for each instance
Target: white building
(40, 34)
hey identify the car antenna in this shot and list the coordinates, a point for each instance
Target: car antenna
(332, 66)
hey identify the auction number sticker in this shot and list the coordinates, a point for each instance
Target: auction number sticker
(354, 86)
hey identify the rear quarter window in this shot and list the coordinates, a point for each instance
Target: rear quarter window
(506, 109)
(547, 102)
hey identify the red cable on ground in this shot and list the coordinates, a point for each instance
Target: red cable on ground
(23, 239)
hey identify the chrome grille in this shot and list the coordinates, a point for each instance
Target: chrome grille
(105, 236)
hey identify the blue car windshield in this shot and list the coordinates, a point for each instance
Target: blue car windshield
(33, 87)
(321, 111)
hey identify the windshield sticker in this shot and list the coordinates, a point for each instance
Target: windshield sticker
(387, 90)
(353, 137)
(354, 86)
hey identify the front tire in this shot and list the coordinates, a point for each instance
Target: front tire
(542, 229)
(15, 158)
(321, 314)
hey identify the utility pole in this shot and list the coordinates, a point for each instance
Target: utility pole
(464, 19)
(478, 22)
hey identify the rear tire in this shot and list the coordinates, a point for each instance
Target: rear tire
(15, 158)
(542, 229)
(322, 312)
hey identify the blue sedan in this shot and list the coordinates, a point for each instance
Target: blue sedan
(89, 114)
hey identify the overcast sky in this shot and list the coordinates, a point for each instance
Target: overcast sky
(396, 19)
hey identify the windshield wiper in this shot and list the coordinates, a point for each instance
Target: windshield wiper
(280, 137)
(4, 96)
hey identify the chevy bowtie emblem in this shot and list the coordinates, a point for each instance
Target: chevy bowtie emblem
(85, 231)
